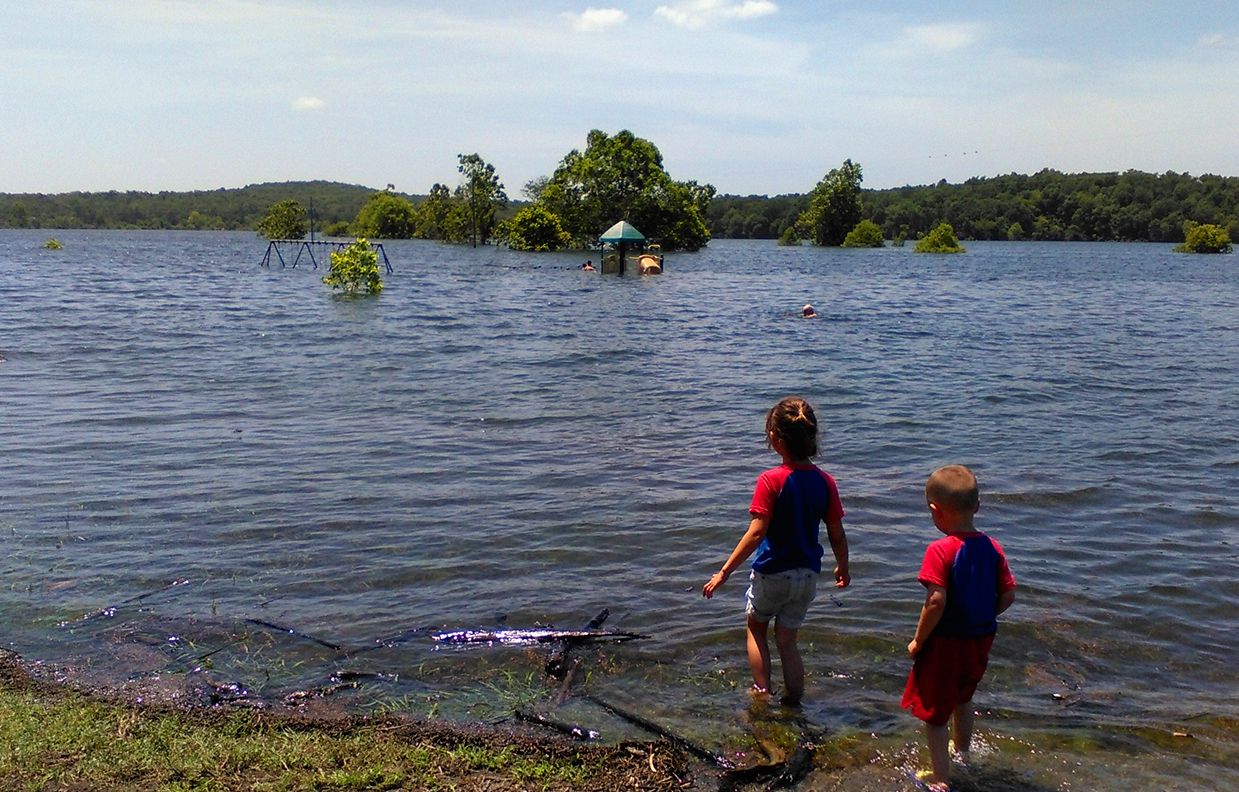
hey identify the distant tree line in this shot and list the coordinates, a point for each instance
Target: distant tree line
(622, 176)
(221, 210)
(1048, 205)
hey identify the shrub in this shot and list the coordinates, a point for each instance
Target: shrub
(1206, 238)
(535, 228)
(355, 269)
(940, 240)
(284, 220)
(865, 234)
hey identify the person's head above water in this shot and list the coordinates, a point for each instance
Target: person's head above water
(807, 310)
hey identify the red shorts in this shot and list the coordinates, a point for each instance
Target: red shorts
(944, 675)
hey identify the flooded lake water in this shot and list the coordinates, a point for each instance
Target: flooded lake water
(500, 439)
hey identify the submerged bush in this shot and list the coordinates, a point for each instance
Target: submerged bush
(1206, 238)
(53, 244)
(355, 269)
(941, 240)
(535, 228)
(865, 234)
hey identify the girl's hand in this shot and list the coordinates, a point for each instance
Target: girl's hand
(913, 647)
(842, 577)
(719, 579)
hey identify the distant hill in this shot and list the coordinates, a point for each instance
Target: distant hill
(223, 209)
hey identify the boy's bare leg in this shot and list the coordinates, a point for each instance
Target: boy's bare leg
(793, 666)
(939, 756)
(963, 720)
(759, 654)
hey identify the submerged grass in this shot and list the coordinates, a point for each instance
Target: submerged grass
(70, 741)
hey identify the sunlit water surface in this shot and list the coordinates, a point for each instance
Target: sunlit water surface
(500, 439)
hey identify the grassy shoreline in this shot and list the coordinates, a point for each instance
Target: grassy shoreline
(57, 738)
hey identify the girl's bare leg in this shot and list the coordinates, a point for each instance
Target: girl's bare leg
(793, 665)
(759, 654)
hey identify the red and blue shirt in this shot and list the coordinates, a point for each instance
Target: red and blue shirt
(796, 499)
(973, 569)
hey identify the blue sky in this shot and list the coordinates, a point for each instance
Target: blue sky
(752, 96)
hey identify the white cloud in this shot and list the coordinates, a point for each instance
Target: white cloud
(942, 37)
(308, 103)
(1219, 40)
(696, 14)
(592, 20)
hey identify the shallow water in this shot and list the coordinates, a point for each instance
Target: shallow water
(500, 438)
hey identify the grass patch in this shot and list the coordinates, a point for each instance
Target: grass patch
(71, 741)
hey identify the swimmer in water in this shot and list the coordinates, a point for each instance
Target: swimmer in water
(588, 266)
(807, 311)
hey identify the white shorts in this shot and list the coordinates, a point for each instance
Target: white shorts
(783, 595)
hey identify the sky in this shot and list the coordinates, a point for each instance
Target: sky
(752, 96)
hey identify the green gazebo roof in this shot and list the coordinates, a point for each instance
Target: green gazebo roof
(622, 232)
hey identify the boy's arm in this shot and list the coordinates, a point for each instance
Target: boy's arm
(931, 614)
(1005, 599)
(747, 544)
(839, 546)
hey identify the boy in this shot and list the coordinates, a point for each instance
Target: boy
(967, 585)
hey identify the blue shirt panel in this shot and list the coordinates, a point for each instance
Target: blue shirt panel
(791, 540)
(972, 597)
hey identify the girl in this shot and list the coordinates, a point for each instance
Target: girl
(788, 505)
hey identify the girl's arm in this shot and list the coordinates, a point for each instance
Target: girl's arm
(839, 546)
(931, 614)
(744, 548)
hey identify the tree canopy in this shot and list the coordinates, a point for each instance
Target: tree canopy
(482, 194)
(834, 206)
(941, 239)
(621, 177)
(535, 228)
(386, 216)
(865, 234)
(1205, 238)
(284, 220)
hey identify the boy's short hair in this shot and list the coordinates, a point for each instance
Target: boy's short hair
(954, 487)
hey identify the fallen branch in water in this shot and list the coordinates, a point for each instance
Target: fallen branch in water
(651, 726)
(576, 732)
(297, 633)
(110, 610)
(527, 637)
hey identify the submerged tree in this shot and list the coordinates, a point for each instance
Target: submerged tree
(535, 228)
(386, 216)
(1205, 238)
(865, 234)
(482, 195)
(834, 206)
(355, 269)
(284, 220)
(940, 240)
(621, 177)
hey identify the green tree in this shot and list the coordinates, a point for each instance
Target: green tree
(482, 194)
(386, 216)
(284, 220)
(621, 177)
(1205, 238)
(535, 228)
(432, 213)
(789, 237)
(1015, 232)
(834, 206)
(941, 239)
(865, 234)
(355, 269)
